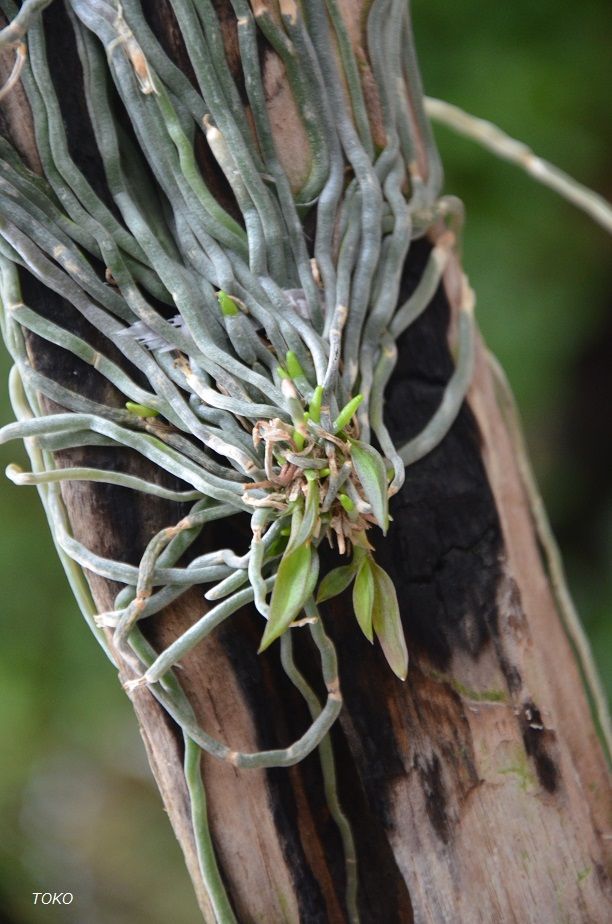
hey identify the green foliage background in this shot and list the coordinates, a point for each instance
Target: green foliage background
(78, 810)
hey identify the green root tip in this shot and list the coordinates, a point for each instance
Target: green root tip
(315, 405)
(141, 410)
(346, 502)
(227, 304)
(347, 413)
(293, 365)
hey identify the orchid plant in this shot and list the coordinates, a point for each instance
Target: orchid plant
(263, 335)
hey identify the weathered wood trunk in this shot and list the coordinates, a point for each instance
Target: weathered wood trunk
(477, 790)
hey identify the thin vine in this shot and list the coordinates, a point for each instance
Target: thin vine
(265, 354)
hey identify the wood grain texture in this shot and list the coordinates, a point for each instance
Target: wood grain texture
(477, 790)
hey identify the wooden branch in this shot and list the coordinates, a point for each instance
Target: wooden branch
(477, 790)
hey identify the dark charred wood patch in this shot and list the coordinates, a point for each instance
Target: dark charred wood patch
(309, 894)
(444, 548)
(162, 21)
(367, 687)
(434, 791)
(538, 740)
(67, 77)
(383, 894)
(63, 366)
(280, 715)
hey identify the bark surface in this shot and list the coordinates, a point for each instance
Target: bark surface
(477, 790)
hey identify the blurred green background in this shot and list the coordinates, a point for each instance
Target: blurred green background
(78, 810)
